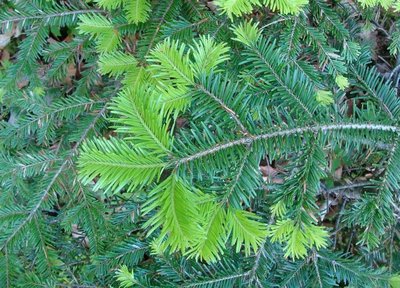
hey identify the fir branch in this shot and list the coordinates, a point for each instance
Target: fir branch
(24, 167)
(186, 27)
(119, 256)
(33, 211)
(217, 281)
(30, 50)
(222, 24)
(239, 173)
(159, 25)
(232, 113)
(286, 133)
(374, 85)
(328, 53)
(194, 7)
(64, 109)
(281, 82)
(290, 45)
(353, 269)
(8, 281)
(314, 260)
(43, 245)
(47, 190)
(75, 285)
(253, 272)
(196, 97)
(88, 208)
(46, 17)
(381, 215)
(294, 273)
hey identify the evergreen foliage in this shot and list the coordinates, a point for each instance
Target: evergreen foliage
(182, 144)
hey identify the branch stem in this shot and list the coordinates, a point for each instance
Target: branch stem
(284, 133)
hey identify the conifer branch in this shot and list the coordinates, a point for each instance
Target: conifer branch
(293, 273)
(239, 173)
(42, 242)
(191, 25)
(292, 34)
(184, 156)
(374, 93)
(25, 167)
(59, 110)
(161, 21)
(46, 17)
(361, 274)
(53, 180)
(282, 83)
(33, 211)
(31, 51)
(232, 113)
(286, 133)
(7, 268)
(217, 280)
(253, 271)
(330, 58)
(315, 261)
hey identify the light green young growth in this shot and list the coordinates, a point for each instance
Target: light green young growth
(170, 67)
(138, 76)
(342, 82)
(118, 164)
(207, 55)
(240, 7)
(177, 214)
(186, 63)
(298, 237)
(279, 209)
(211, 245)
(247, 33)
(170, 64)
(324, 97)
(109, 42)
(246, 229)
(99, 27)
(125, 277)
(174, 66)
(110, 4)
(95, 25)
(286, 6)
(137, 11)
(237, 7)
(139, 117)
(116, 63)
(196, 225)
(369, 3)
(395, 281)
